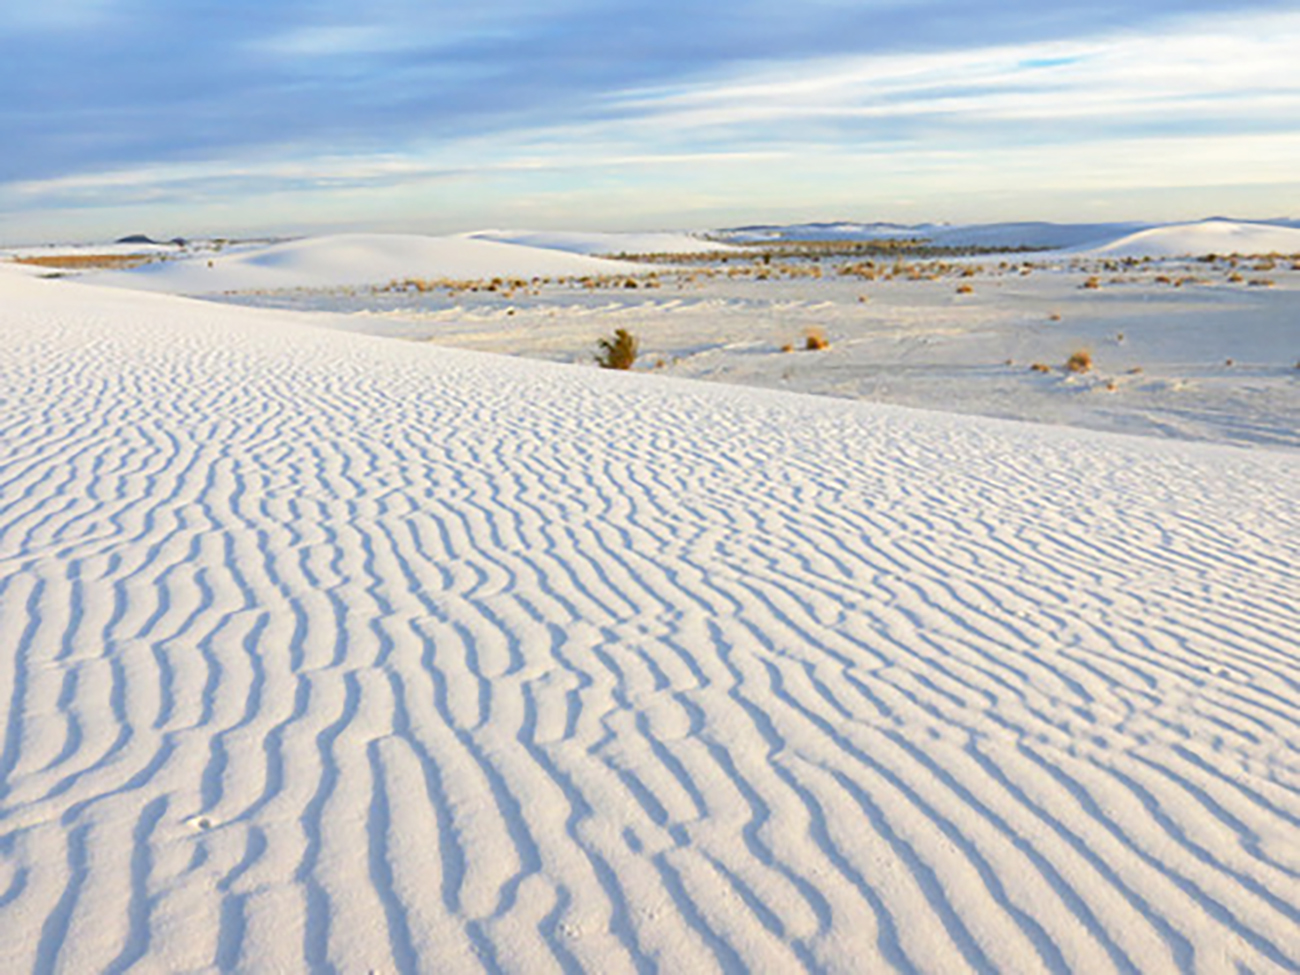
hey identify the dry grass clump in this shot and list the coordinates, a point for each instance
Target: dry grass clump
(1054, 316)
(814, 340)
(1092, 284)
(1080, 362)
(1261, 282)
(965, 289)
(618, 352)
(87, 262)
(1040, 367)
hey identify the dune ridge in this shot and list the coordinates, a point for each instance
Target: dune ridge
(327, 651)
(1201, 238)
(343, 260)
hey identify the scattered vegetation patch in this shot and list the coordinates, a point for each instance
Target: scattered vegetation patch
(814, 340)
(1080, 362)
(617, 352)
(1040, 367)
(88, 262)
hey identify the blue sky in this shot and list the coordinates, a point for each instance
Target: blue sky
(197, 116)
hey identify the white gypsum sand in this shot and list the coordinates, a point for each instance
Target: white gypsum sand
(322, 651)
(1181, 346)
(344, 260)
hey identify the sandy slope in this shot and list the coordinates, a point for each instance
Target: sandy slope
(583, 242)
(1214, 236)
(1205, 237)
(357, 259)
(324, 650)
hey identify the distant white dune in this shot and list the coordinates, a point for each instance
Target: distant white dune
(1205, 237)
(1035, 234)
(605, 243)
(325, 652)
(357, 259)
(1115, 239)
(81, 249)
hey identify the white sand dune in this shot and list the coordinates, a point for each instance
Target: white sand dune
(329, 652)
(582, 242)
(1216, 236)
(357, 259)
(994, 236)
(1205, 237)
(66, 250)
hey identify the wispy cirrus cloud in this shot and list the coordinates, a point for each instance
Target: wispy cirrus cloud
(205, 99)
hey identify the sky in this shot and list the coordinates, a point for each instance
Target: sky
(239, 117)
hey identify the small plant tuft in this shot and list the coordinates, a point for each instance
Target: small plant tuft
(815, 340)
(1080, 362)
(1040, 367)
(618, 352)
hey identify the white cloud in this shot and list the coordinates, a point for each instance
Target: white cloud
(1242, 66)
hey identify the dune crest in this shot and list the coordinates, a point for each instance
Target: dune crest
(343, 260)
(1206, 237)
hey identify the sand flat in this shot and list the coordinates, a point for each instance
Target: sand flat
(327, 651)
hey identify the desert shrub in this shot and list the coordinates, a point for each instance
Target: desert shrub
(1079, 362)
(618, 352)
(1040, 367)
(1092, 284)
(815, 340)
(965, 289)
